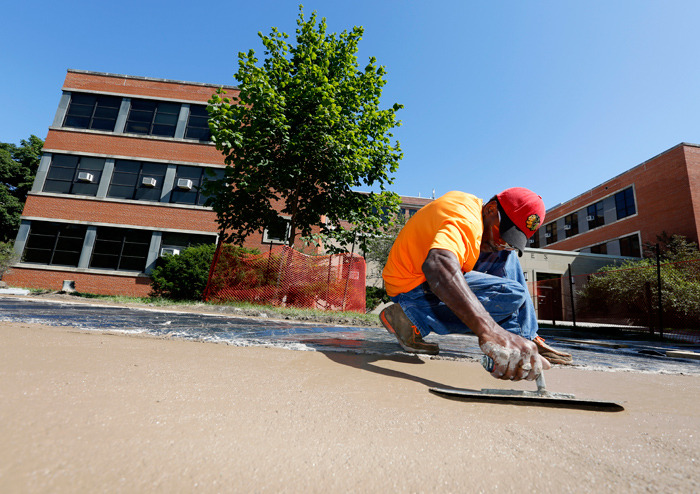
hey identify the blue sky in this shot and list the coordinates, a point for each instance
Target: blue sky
(557, 96)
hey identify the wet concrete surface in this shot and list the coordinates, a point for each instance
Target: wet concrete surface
(600, 353)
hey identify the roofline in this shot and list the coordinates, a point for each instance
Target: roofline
(151, 79)
(688, 144)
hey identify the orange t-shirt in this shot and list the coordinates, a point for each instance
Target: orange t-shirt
(452, 222)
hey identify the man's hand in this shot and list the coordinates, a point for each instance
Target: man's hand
(514, 357)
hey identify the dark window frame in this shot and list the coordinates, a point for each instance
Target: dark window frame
(92, 112)
(551, 230)
(571, 220)
(197, 127)
(630, 246)
(120, 249)
(599, 249)
(274, 237)
(534, 241)
(625, 204)
(140, 192)
(56, 243)
(62, 176)
(597, 211)
(198, 174)
(151, 117)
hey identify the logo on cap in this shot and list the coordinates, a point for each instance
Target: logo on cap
(533, 222)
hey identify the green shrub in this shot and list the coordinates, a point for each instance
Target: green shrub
(7, 256)
(375, 296)
(185, 276)
(633, 288)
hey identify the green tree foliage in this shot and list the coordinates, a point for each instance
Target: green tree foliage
(378, 246)
(18, 165)
(184, 276)
(633, 286)
(7, 257)
(305, 129)
(374, 297)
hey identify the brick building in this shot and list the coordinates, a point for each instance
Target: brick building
(622, 214)
(118, 184)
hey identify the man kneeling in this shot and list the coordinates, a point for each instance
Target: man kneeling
(453, 269)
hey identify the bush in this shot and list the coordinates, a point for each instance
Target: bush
(183, 276)
(7, 256)
(626, 288)
(375, 297)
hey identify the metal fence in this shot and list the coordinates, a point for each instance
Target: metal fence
(660, 298)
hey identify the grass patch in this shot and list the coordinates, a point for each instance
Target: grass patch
(237, 308)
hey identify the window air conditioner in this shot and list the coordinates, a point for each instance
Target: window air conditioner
(148, 182)
(567, 227)
(170, 251)
(531, 240)
(85, 177)
(590, 218)
(184, 183)
(547, 235)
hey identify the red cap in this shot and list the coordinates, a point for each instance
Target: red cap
(524, 213)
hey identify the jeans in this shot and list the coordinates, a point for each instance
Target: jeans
(497, 281)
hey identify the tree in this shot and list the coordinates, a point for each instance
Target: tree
(672, 248)
(625, 286)
(305, 129)
(379, 246)
(18, 165)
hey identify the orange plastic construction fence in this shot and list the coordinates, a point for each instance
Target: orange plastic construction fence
(288, 278)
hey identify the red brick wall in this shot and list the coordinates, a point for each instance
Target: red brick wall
(148, 215)
(141, 87)
(664, 202)
(692, 159)
(99, 284)
(137, 147)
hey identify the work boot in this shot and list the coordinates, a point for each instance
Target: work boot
(552, 355)
(410, 339)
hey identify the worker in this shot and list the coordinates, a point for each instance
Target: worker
(453, 269)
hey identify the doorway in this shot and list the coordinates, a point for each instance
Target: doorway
(549, 301)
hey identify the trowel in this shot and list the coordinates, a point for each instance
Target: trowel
(541, 397)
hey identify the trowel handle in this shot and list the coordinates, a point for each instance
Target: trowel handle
(487, 363)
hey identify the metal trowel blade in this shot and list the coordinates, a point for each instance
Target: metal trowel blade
(534, 398)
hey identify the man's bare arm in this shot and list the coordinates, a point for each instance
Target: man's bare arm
(514, 357)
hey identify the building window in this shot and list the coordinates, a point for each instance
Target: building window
(174, 243)
(89, 111)
(277, 232)
(74, 175)
(550, 233)
(571, 225)
(595, 215)
(408, 212)
(599, 249)
(629, 246)
(534, 241)
(198, 123)
(187, 188)
(137, 180)
(624, 203)
(157, 118)
(54, 243)
(120, 249)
